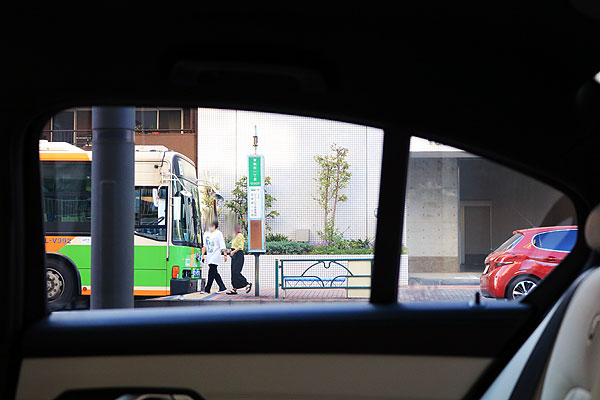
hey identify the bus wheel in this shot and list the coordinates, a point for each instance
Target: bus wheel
(60, 284)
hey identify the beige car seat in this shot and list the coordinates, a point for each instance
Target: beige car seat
(573, 370)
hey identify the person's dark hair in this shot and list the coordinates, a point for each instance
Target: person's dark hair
(215, 223)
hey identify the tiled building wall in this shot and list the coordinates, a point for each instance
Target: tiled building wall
(289, 144)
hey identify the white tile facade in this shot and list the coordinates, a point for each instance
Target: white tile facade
(289, 144)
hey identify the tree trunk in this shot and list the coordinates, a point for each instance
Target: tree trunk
(336, 193)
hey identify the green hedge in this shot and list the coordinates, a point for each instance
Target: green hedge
(307, 248)
(289, 248)
(335, 250)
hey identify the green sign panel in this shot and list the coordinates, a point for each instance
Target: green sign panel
(256, 205)
(254, 171)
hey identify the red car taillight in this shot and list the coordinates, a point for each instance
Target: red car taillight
(502, 261)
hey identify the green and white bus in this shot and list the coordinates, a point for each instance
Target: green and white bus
(168, 234)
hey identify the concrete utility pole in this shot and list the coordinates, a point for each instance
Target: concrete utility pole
(113, 197)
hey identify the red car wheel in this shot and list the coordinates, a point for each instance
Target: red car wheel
(521, 286)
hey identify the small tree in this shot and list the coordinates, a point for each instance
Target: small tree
(207, 199)
(334, 176)
(239, 203)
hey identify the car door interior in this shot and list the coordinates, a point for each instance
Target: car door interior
(291, 346)
(573, 368)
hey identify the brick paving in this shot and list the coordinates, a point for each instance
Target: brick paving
(405, 294)
(291, 294)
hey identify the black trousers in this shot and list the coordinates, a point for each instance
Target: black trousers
(237, 263)
(213, 275)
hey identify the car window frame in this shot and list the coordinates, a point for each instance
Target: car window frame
(384, 281)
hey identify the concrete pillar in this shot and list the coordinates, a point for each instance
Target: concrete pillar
(113, 197)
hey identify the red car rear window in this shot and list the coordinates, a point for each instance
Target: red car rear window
(510, 243)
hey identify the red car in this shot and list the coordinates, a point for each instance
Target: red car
(520, 263)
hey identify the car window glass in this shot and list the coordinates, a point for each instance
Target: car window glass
(510, 242)
(563, 240)
(296, 214)
(150, 212)
(472, 225)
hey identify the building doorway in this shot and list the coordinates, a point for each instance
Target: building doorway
(475, 234)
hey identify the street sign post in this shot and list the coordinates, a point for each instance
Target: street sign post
(256, 212)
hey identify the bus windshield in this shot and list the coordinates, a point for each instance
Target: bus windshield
(184, 169)
(197, 214)
(185, 213)
(67, 187)
(186, 203)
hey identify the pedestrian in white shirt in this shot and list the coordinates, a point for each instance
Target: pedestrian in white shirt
(214, 246)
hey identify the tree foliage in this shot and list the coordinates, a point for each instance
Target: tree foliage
(239, 203)
(207, 199)
(334, 176)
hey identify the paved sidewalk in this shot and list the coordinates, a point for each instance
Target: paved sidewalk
(426, 293)
(269, 295)
(438, 293)
(443, 278)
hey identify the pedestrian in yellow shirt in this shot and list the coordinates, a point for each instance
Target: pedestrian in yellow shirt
(238, 281)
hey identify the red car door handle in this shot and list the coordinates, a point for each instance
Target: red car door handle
(551, 259)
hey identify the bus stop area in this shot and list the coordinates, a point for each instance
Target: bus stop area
(435, 287)
(324, 279)
(449, 293)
